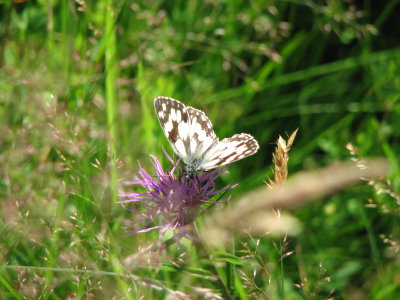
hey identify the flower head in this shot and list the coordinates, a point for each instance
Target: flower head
(170, 201)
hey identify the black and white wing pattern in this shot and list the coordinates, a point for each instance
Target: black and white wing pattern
(230, 150)
(193, 139)
(174, 121)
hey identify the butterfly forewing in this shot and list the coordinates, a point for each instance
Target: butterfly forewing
(201, 133)
(174, 121)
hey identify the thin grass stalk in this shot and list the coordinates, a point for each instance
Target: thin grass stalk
(111, 90)
(50, 24)
(111, 104)
(354, 152)
(384, 15)
(64, 17)
(11, 289)
(280, 160)
(281, 279)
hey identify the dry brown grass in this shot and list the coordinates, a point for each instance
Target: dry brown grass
(280, 160)
(259, 211)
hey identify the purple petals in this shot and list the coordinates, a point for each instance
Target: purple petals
(169, 201)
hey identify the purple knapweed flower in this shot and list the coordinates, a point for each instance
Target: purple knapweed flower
(170, 201)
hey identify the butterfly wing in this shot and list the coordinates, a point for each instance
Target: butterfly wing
(201, 133)
(174, 121)
(229, 150)
(193, 139)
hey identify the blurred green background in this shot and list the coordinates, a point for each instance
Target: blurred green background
(77, 82)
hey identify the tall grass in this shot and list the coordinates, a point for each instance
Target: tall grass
(77, 80)
(111, 76)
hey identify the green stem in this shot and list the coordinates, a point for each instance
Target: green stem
(371, 236)
(111, 91)
(281, 262)
(111, 100)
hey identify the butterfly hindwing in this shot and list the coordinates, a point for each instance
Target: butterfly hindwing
(230, 150)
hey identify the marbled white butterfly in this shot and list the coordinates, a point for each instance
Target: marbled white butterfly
(193, 139)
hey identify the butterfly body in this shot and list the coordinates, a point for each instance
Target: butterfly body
(193, 139)
(195, 160)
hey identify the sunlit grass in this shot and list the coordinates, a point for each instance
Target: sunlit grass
(77, 82)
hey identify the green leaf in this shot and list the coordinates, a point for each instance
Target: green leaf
(227, 257)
